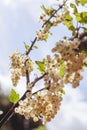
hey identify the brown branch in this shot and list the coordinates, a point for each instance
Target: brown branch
(37, 79)
(35, 39)
(27, 77)
(47, 88)
(33, 42)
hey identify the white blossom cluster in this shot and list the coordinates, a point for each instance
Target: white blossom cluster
(58, 18)
(44, 105)
(75, 60)
(19, 65)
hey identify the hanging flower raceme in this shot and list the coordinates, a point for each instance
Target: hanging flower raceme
(19, 65)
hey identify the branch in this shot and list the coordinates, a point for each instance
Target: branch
(33, 42)
(27, 77)
(37, 79)
(47, 88)
(35, 39)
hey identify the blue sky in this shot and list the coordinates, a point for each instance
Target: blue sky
(18, 24)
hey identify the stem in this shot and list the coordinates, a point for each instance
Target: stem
(27, 77)
(35, 39)
(53, 14)
(40, 90)
(33, 42)
(37, 79)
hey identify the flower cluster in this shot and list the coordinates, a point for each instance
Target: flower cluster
(42, 17)
(19, 65)
(68, 51)
(41, 34)
(43, 105)
(54, 21)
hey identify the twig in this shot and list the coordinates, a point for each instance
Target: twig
(27, 77)
(37, 79)
(35, 39)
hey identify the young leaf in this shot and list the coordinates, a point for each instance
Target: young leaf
(47, 11)
(68, 22)
(62, 91)
(81, 17)
(14, 97)
(69, 25)
(41, 66)
(26, 46)
(83, 2)
(85, 29)
(74, 7)
(49, 25)
(46, 36)
(62, 69)
(36, 47)
(68, 17)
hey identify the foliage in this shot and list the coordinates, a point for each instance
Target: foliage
(41, 66)
(41, 128)
(14, 97)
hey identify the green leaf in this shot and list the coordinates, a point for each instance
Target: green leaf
(78, 17)
(26, 46)
(36, 47)
(41, 66)
(49, 25)
(69, 25)
(14, 97)
(74, 7)
(62, 91)
(85, 29)
(81, 17)
(47, 11)
(50, 11)
(83, 2)
(68, 17)
(62, 69)
(41, 128)
(69, 22)
(46, 36)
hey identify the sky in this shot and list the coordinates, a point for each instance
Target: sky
(18, 24)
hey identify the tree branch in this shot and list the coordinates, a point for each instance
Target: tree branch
(35, 39)
(27, 77)
(37, 79)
